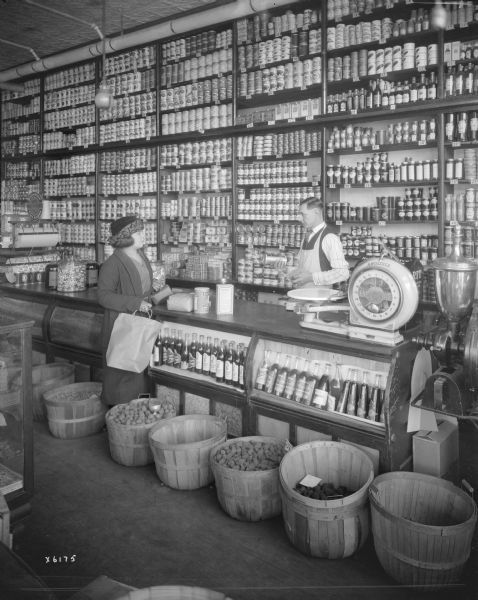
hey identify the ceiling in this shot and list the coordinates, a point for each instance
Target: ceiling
(47, 33)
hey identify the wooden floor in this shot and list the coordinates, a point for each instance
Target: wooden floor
(122, 522)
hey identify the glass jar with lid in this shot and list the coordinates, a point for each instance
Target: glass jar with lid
(71, 275)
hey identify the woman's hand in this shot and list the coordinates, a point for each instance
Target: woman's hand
(145, 306)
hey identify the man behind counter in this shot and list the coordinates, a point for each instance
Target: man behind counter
(321, 257)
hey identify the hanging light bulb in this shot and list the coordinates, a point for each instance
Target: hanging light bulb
(439, 16)
(104, 96)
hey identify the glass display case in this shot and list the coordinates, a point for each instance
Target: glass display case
(16, 433)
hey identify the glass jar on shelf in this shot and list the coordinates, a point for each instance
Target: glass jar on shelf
(71, 275)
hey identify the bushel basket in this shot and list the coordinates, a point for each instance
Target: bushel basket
(422, 527)
(326, 528)
(174, 592)
(181, 447)
(252, 494)
(128, 426)
(46, 378)
(75, 410)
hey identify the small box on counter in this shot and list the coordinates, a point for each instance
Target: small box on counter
(436, 452)
(224, 299)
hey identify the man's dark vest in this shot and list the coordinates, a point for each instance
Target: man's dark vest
(310, 245)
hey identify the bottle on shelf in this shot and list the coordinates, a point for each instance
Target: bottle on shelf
(172, 348)
(300, 383)
(229, 364)
(272, 376)
(242, 364)
(374, 405)
(157, 352)
(352, 400)
(165, 346)
(236, 366)
(199, 354)
(213, 360)
(262, 373)
(184, 365)
(220, 362)
(362, 406)
(310, 384)
(336, 384)
(192, 352)
(206, 357)
(178, 350)
(344, 394)
(322, 389)
(291, 381)
(281, 378)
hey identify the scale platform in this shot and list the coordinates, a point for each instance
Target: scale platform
(379, 336)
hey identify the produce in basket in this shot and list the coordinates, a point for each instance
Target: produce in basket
(250, 455)
(142, 412)
(323, 491)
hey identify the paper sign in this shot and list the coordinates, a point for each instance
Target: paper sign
(310, 481)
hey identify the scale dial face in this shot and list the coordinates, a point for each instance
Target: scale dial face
(376, 295)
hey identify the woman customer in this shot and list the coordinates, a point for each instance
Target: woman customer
(125, 284)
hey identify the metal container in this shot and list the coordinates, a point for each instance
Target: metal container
(455, 281)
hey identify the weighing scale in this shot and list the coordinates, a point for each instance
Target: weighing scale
(382, 297)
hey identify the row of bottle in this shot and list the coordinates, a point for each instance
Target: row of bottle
(78, 233)
(26, 144)
(264, 25)
(21, 128)
(128, 130)
(83, 137)
(278, 144)
(461, 79)
(128, 183)
(381, 93)
(205, 178)
(197, 119)
(208, 91)
(265, 198)
(270, 172)
(19, 170)
(378, 30)
(68, 97)
(357, 244)
(403, 132)
(70, 186)
(293, 378)
(274, 209)
(130, 107)
(221, 360)
(293, 75)
(288, 47)
(73, 165)
(72, 76)
(205, 42)
(123, 160)
(197, 206)
(462, 206)
(196, 153)
(363, 63)
(374, 171)
(144, 208)
(197, 232)
(461, 127)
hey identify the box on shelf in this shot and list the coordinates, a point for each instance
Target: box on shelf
(436, 452)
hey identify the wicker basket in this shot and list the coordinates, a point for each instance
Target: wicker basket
(174, 592)
(75, 410)
(422, 527)
(247, 495)
(45, 378)
(326, 528)
(129, 444)
(181, 447)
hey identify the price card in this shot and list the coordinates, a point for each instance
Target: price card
(127, 140)
(355, 78)
(266, 185)
(453, 181)
(282, 248)
(375, 147)
(309, 118)
(310, 481)
(243, 70)
(338, 222)
(271, 122)
(306, 153)
(332, 186)
(248, 96)
(346, 186)
(367, 184)
(278, 155)
(474, 181)
(456, 144)
(421, 69)
(270, 93)
(382, 223)
(201, 131)
(422, 142)
(330, 150)
(453, 223)
(290, 120)
(358, 149)
(250, 125)
(353, 111)
(392, 107)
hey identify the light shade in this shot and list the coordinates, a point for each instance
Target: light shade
(104, 97)
(439, 16)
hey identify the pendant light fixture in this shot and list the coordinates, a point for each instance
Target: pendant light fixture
(104, 96)
(439, 15)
